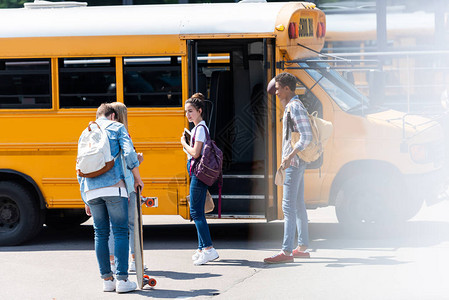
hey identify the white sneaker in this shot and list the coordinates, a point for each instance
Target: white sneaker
(206, 256)
(124, 286)
(109, 285)
(132, 266)
(196, 255)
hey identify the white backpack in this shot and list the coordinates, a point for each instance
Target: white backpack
(94, 153)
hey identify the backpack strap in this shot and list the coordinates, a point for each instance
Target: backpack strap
(290, 126)
(91, 123)
(193, 161)
(207, 134)
(207, 131)
(193, 143)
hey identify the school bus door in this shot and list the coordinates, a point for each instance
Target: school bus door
(271, 212)
(197, 82)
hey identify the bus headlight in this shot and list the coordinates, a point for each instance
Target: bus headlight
(420, 153)
(428, 153)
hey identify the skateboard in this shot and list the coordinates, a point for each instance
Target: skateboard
(142, 279)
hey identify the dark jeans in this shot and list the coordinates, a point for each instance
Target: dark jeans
(198, 192)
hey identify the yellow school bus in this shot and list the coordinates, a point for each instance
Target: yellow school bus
(61, 63)
(414, 63)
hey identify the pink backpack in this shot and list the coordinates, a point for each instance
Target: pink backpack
(208, 167)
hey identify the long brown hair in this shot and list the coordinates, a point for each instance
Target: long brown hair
(122, 113)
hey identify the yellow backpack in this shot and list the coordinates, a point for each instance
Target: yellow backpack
(321, 132)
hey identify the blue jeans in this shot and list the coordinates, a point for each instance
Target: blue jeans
(198, 191)
(131, 208)
(294, 208)
(112, 209)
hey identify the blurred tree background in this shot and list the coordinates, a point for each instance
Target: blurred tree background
(11, 3)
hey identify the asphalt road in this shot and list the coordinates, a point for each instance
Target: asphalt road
(407, 261)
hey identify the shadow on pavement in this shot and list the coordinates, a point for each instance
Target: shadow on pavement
(164, 294)
(254, 236)
(180, 275)
(333, 262)
(238, 262)
(408, 234)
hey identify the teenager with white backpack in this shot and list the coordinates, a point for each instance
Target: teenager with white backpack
(105, 193)
(122, 117)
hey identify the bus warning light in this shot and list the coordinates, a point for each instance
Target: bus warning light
(280, 27)
(321, 30)
(292, 30)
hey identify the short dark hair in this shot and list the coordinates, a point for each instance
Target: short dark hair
(105, 109)
(287, 79)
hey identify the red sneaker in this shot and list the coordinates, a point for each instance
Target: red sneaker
(279, 258)
(300, 254)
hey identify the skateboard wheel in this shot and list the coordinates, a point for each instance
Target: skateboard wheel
(152, 282)
(149, 202)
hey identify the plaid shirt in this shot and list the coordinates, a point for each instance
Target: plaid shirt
(300, 118)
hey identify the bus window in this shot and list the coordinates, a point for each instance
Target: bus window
(86, 82)
(25, 83)
(152, 81)
(310, 101)
(346, 96)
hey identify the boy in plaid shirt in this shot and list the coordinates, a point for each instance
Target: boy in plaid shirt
(295, 119)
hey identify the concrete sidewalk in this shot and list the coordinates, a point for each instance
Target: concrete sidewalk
(406, 262)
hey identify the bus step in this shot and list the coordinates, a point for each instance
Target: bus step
(241, 185)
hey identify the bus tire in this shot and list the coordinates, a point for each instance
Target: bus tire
(20, 216)
(374, 199)
(65, 218)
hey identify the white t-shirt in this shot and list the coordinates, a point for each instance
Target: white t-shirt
(200, 135)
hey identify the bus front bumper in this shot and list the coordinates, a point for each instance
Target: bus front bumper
(432, 187)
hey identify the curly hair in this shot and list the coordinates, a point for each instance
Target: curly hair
(286, 79)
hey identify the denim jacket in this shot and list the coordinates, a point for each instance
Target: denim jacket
(129, 181)
(118, 139)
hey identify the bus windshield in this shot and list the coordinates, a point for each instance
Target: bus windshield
(347, 97)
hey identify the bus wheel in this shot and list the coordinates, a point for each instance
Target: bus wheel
(65, 218)
(372, 199)
(20, 215)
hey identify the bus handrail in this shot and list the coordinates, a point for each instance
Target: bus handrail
(433, 120)
(392, 53)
